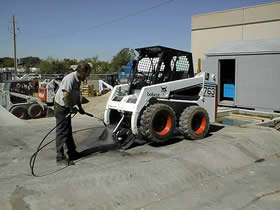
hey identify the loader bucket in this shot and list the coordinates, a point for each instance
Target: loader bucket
(107, 135)
(106, 141)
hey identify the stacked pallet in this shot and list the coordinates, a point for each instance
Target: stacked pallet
(88, 90)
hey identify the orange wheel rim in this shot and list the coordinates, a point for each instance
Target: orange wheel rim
(38, 114)
(21, 116)
(167, 127)
(201, 127)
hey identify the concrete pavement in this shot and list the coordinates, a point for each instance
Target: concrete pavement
(233, 168)
(8, 119)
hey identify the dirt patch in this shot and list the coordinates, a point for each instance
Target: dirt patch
(97, 105)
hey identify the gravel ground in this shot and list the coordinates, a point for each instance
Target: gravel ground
(233, 168)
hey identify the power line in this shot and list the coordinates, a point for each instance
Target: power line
(131, 14)
(10, 26)
(112, 21)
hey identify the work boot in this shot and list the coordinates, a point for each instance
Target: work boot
(74, 155)
(60, 157)
(64, 161)
(60, 154)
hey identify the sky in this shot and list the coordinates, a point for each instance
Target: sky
(87, 28)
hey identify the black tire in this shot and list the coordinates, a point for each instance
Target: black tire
(50, 104)
(194, 122)
(35, 111)
(158, 122)
(19, 112)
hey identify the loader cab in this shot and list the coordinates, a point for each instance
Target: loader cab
(25, 87)
(158, 65)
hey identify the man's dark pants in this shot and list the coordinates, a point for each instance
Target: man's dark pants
(63, 132)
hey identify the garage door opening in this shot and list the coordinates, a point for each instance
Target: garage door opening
(227, 80)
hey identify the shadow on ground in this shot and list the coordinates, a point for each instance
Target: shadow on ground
(94, 140)
(105, 141)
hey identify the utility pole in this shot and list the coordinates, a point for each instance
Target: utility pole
(15, 47)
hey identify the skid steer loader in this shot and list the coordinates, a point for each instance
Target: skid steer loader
(162, 95)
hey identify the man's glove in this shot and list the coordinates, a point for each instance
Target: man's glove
(73, 110)
(81, 110)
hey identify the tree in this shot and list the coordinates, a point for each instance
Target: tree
(68, 62)
(122, 58)
(52, 66)
(6, 62)
(55, 66)
(45, 67)
(29, 62)
(103, 67)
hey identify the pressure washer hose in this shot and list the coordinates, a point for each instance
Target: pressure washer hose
(40, 146)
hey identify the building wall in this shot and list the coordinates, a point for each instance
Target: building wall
(257, 80)
(210, 30)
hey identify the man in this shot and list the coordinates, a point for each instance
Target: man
(66, 98)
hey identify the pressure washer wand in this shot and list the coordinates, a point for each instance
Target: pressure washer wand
(91, 115)
(88, 114)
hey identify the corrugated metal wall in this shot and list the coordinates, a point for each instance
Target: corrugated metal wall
(257, 80)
